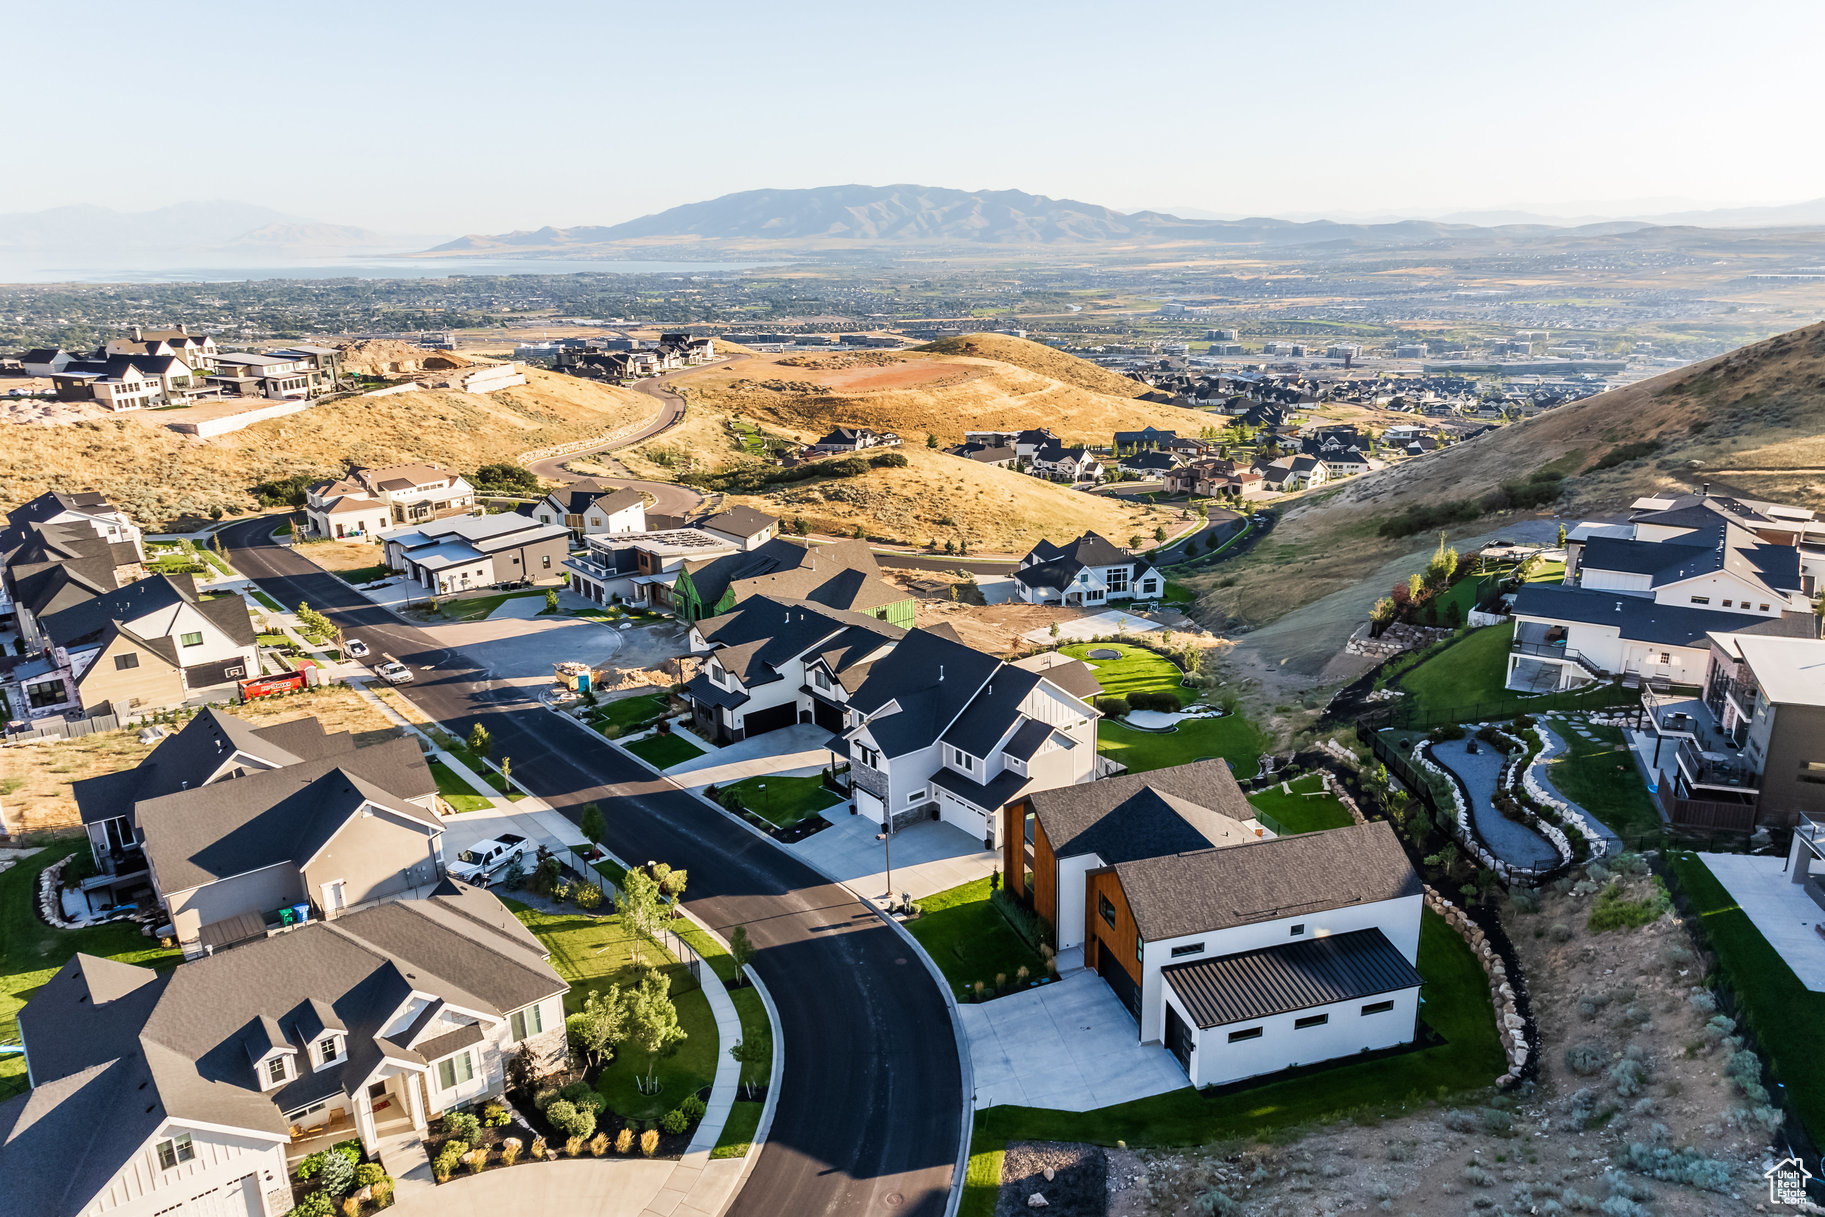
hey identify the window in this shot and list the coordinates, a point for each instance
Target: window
(1666, 657)
(1761, 608)
(913, 796)
(1378, 1007)
(326, 1050)
(1118, 579)
(124, 663)
(275, 1070)
(1701, 600)
(1311, 1020)
(1247, 1033)
(456, 1070)
(41, 696)
(178, 1149)
(191, 640)
(546, 560)
(1190, 948)
(1731, 604)
(820, 679)
(1107, 909)
(868, 756)
(1299, 929)
(527, 1022)
(1140, 947)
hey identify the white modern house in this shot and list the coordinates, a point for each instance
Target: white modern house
(592, 509)
(1087, 572)
(462, 553)
(367, 500)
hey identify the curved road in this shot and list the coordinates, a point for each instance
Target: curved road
(669, 498)
(871, 1106)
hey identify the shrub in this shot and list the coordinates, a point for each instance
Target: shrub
(588, 896)
(1586, 1058)
(1687, 1166)
(693, 1108)
(574, 1146)
(542, 1097)
(1704, 1001)
(572, 1121)
(1615, 911)
(310, 1166)
(1629, 1077)
(476, 1159)
(495, 1116)
(649, 1143)
(576, 1090)
(539, 1150)
(444, 1165)
(510, 1150)
(369, 1173)
(317, 1204)
(1561, 932)
(462, 1125)
(1476, 1176)
(1499, 1123)
(1743, 1066)
(1524, 900)
(1112, 707)
(598, 1144)
(351, 1203)
(624, 1140)
(338, 1174)
(673, 1122)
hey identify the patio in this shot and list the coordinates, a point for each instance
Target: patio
(1069, 1046)
(1781, 910)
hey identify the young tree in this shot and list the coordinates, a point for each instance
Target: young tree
(1159, 533)
(1561, 536)
(591, 824)
(746, 1054)
(931, 441)
(599, 1025)
(671, 882)
(652, 1020)
(638, 904)
(480, 742)
(551, 599)
(1134, 542)
(741, 950)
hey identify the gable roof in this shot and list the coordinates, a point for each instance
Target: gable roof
(932, 678)
(763, 633)
(1172, 895)
(739, 522)
(1074, 676)
(1640, 619)
(1166, 811)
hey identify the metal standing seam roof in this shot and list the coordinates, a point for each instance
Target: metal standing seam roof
(1291, 976)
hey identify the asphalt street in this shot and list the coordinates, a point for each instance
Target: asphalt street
(668, 498)
(871, 1109)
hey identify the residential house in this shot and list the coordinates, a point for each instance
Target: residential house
(1348, 463)
(1639, 599)
(460, 553)
(116, 383)
(196, 350)
(854, 439)
(406, 494)
(1294, 473)
(590, 508)
(1001, 456)
(1242, 953)
(1216, 479)
(746, 527)
(936, 730)
(844, 575)
(1147, 439)
(688, 349)
(45, 361)
(1086, 573)
(641, 567)
(87, 507)
(773, 662)
(1060, 464)
(193, 1091)
(1150, 464)
(274, 375)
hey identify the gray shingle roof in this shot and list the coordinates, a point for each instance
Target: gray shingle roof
(1642, 620)
(932, 678)
(1291, 976)
(1189, 893)
(1093, 816)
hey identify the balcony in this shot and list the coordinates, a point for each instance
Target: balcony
(1717, 771)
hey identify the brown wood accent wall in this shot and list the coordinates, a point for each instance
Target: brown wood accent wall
(1013, 847)
(1098, 937)
(1044, 893)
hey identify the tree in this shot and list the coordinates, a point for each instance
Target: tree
(741, 950)
(746, 1054)
(599, 1025)
(671, 882)
(1159, 533)
(1134, 542)
(480, 742)
(1561, 536)
(638, 904)
(1383, 612)
(1053, 630)
(931, 441)
(591, 824)
(551, 599)
(1416, 587)
(506, 478)
(652, 1020)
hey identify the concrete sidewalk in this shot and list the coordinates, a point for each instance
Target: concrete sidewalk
(796, 751)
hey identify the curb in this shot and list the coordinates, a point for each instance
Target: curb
(966, 1071)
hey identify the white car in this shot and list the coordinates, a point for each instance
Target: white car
(394, 672)
(357, 648)
(479, 863)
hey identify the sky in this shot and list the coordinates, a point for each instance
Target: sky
(458, 117)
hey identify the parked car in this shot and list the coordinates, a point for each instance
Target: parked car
(394, 672)
(481, 861)
(357, 648)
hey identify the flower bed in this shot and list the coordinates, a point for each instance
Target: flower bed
(544, 1122)
(326, 1181)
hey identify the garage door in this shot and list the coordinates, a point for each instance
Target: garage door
(237, 1199)
(1178, 1037)
(827, 715)
(758, 722)
(1110, 969)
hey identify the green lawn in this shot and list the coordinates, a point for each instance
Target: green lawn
(1456, 1005)
(738, 1134)
(456, 748)
(1231, 737)
(364, 574)
(477, 608)
(783, 801)
(1788, 1019)
(1469, 671)
(664, 751)
(455, 791)
(1178, 593)
(1548, 572)
(270, 604)
(1137, 671)
(593, 953)
(1309, 808)
(31, 951)
(1604, 781)
(969, 939)
(631, 712)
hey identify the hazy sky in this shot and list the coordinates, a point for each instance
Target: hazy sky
(460, 117)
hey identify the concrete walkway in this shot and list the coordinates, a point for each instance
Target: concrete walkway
(796, 751)
(1781, 910)
(1481, 770)
(1068, 1046)
(927, 857)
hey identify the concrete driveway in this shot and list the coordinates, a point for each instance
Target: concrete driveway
(529, 817)
(1069, 1046)
(928, 857)
(1097, 625)
(795, 751)
(521, 650)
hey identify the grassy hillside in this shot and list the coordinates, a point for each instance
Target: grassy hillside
(937, 497)
(158, 475)
(1750, 423)
(1036, 357)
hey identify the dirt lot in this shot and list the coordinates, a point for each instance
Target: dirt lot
(1622, 1006)
(36, 785)
(870, 373)
(344, 555)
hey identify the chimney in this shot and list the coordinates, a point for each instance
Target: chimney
(136, 333)
(1707, 491)
(183, 327)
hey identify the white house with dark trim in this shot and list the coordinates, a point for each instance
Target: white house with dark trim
(1086, 573)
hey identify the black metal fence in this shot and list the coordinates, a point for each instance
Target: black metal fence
(1408, 715)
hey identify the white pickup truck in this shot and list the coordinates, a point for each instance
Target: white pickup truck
(394, 672)
(482, 861)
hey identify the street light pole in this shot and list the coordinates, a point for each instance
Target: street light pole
(887, 848)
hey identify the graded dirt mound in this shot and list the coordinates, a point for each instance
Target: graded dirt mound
(1034, 357)
(390, 357)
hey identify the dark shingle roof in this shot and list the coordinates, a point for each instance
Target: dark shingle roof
(1642, 620)
(932, 678)
(992, 713)
(1088, 816)
(1189, 893)
(740, 521)
(1290, 976)
(989, 795)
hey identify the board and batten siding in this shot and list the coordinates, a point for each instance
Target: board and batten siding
(140, 1188)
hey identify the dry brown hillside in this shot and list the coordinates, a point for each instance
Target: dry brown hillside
(158, 475)
(1037, 357)
(1751, 423)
